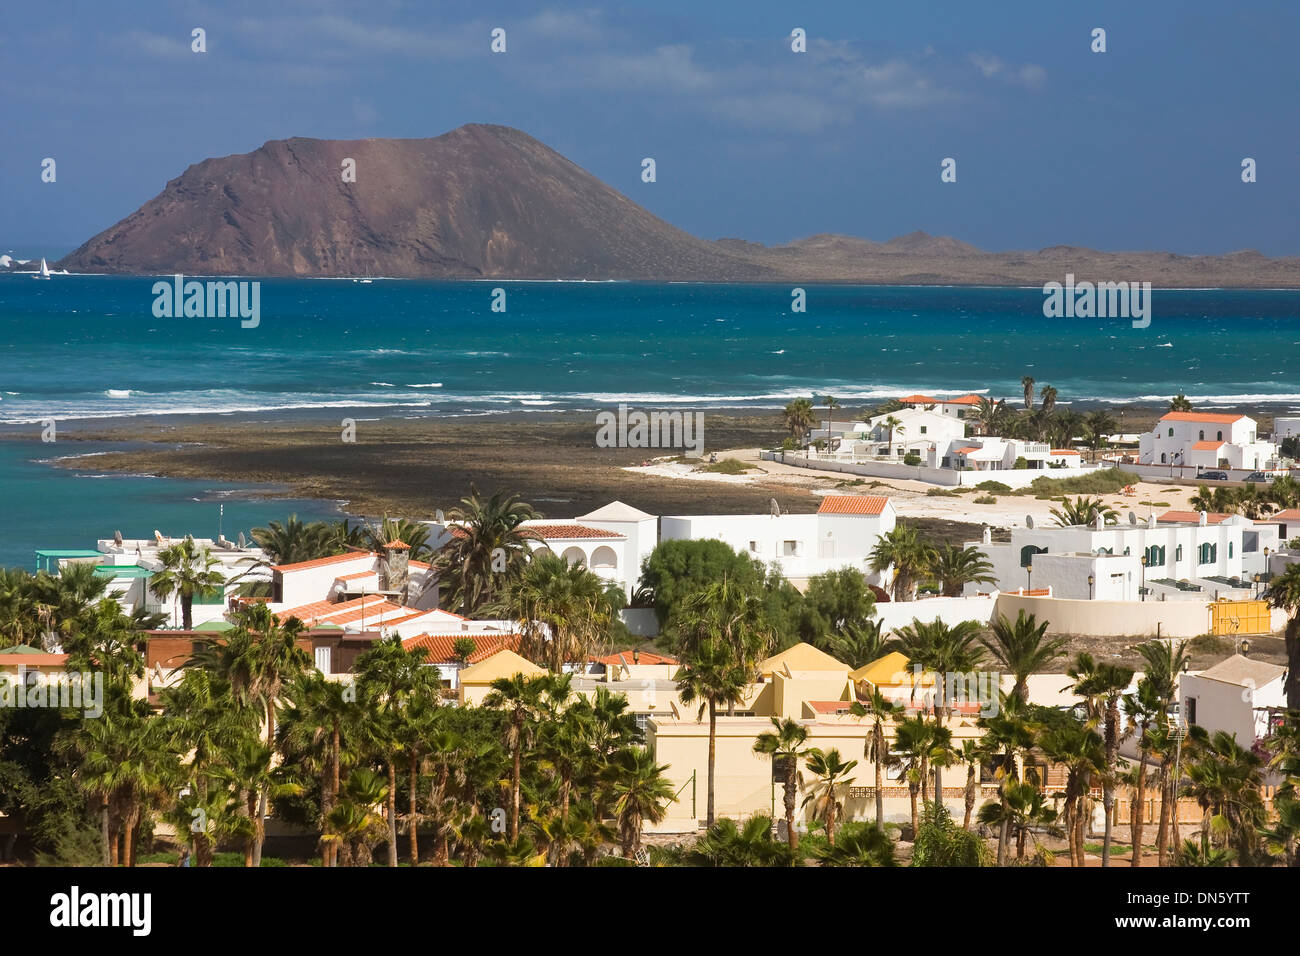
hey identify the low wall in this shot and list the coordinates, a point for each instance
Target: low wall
(947, 477)
(1111, 618)
(1189, 473)
(950, 610)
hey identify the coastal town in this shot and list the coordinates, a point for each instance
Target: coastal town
(1100, 674)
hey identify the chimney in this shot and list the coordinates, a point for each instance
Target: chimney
(394, 572)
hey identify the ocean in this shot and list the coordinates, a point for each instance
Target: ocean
(89, 347)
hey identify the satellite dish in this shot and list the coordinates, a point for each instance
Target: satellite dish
(776, 508)
(117, 538)
(242, 543)
(1132, 519)
(1029, 522)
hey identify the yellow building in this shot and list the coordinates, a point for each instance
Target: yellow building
(817, 690)
(476, 680)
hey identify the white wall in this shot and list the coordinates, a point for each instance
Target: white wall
(950, 610)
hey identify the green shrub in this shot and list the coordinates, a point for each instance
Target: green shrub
(911, 458)
(992, 486)
(1021, 463)
(728, 466)
(1104, 482)
(942, 493)
(985, 500)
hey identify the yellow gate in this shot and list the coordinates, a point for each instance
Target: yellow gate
(1231, 618)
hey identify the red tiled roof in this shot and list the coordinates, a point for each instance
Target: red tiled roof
(830, 706)
(322, 562)
(1206, 445)
(1064, 451)
(1191, 517)
(967, 450)
(918, 400)
(438, 647)
(1201, 417)
(569, 531)
(353, 577)
(643, 657)
(1290, 514)
(397, 544)
(852, 505)
(964, 400)
(39, 659)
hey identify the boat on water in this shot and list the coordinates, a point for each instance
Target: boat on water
(44, 273)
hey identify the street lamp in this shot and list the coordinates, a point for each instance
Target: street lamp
(1029, 575)
(1143, 589)
(1091, 582)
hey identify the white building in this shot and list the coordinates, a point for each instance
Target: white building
(1106, 563)
(1206, 441)
(1285, 426)
(960, 407)
(842, 533)
(1237, 695)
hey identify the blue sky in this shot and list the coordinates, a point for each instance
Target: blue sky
(1136, 148)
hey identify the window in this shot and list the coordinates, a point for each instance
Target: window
(1155, 556)
(1171, 433)
(1163, 459)
(1219, 437)
(923, 428)
(1229, 549)
(1178, 553)
(790, 549)
(1191, 710)
(753, 546)
(1208, 553)
(641, 721)
(961, 413)
(1201, 435)
(1027, 554)
(323, 659)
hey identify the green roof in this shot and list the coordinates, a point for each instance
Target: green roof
(122, 571)
(66, 553)
(21, 649)
(214, 626)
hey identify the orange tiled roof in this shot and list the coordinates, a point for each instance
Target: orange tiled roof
(322, 562)
(1191, 517)
(1064, 451)
(1290, 514)
(967, 450)
(964, 400)
(1206, 445)
(852, 505)
(1201, 417)
(830, 706)
(359, 574)
(569, 531)
(397, 544)
(918, 400)
(438, 647)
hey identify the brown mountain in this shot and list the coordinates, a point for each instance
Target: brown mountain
(492, 202)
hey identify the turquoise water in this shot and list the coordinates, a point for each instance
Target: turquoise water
(49, 507)
(90, 346)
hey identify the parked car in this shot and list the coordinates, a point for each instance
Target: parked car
(1259, 476)
(1214, 476)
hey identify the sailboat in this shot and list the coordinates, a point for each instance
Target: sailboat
(45, 271)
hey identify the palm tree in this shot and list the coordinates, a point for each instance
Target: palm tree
(943, 649)
(749, 844)
(1048, 395)
(414, 534)
(1007, 736)
(1027, 383)
(831, 404)
(858, 846)
(1083, 754)
(563, 606)
(640, 792)
(1026, 811)
(1144, 709)
(1103, 685)
(728, 613)
(859, 644)
(1023, 648)
(711, 675)
(187, 571)
(785, 744)
(908, 554)
(318, 716)
(1225, 778)
(521, 698)
(957, 566)
(879, 709)
(1180, 403)
(799, 418)
(1097, 426)
(1284, 593)
(915, 742)
(972, 756)
(830, 771)
(892, 425)
(294, 541)
(1083, 511)
(488, 545)
(986, 414)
